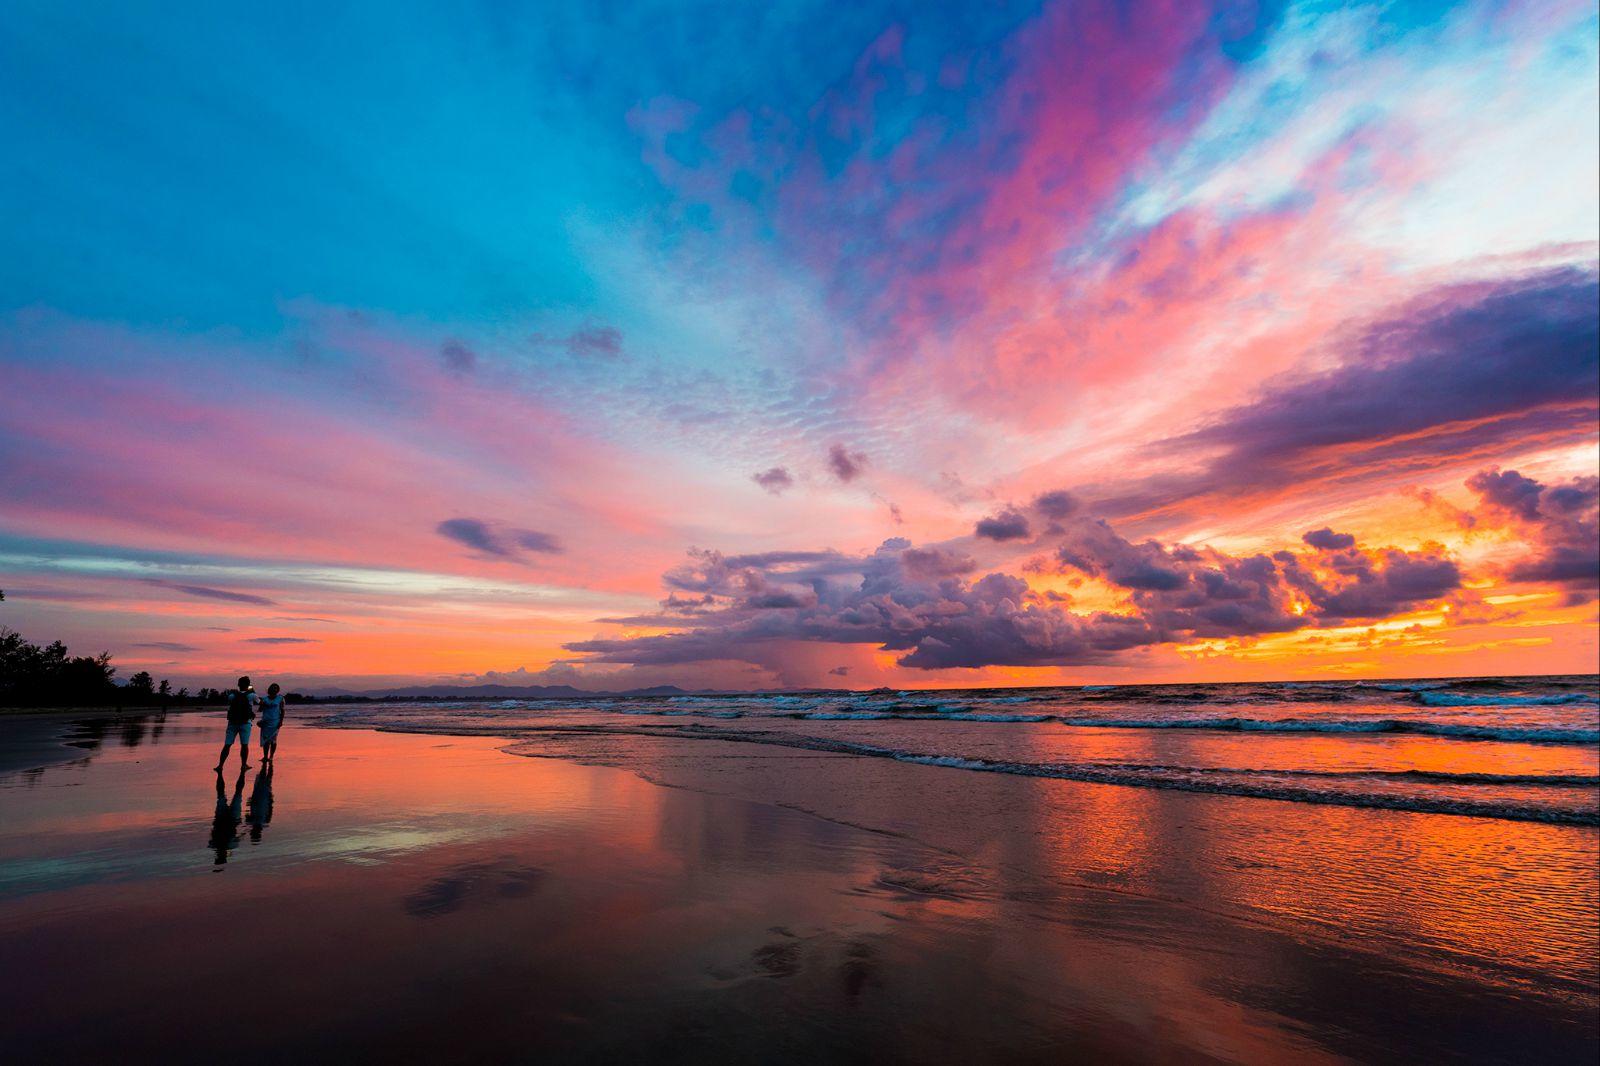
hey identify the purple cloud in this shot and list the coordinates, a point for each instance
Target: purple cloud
(1559, 526)
(504, 544)
(714, 573)
(1056, 505)
(279, 640)
(588, 342)
(934, 563)
(1328, 540)
(1509, 492)
(1093, 548)
(1370, 588)
(1464, 368)
(846, 465)
(1007, 525)
(774, 480)
(207, 593)
(687, 605)
(458, 358)
(534, 541)
(602, 342)
(474, 534)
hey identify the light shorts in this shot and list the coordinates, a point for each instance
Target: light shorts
(240, 731)
(269, 734)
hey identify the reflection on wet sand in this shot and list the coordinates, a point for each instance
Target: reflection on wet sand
(1514, 901)
(816, 907)
(225, 821)
(260, 811)
(34, 743)
(129, 730)
(1518, 901)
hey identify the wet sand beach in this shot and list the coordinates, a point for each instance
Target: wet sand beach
(625, 898)
(33, 737)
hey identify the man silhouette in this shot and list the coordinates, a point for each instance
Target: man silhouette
(241, 711)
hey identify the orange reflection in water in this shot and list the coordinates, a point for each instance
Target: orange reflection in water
(915, 905)
(1499, 894)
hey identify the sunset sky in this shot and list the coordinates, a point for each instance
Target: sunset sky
(800, 343)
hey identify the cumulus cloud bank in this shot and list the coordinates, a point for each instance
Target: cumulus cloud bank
(923, 603)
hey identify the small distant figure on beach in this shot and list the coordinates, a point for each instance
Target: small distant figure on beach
(225, 821)
(271, 721)
(242, 704)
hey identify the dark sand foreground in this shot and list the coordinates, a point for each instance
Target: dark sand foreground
(429, 898)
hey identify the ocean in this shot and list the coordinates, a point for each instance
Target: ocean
(1515, 748)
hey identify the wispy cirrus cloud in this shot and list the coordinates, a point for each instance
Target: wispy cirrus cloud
(205, 592)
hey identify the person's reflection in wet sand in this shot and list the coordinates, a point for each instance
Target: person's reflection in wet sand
(225, 823)
(259, 813)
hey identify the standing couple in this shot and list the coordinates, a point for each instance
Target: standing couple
(243, 703)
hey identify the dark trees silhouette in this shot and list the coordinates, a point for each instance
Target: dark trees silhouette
(52, 677)
(141, 688)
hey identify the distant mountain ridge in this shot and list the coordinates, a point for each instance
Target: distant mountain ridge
(1130, 689)
(503, 692)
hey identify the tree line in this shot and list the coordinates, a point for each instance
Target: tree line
(51, 676)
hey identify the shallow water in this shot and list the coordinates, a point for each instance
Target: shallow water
(1526, 749)
(428, 897)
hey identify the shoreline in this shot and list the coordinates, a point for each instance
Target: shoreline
(38, 737)
(1582, 817)
(101, 711)
(760, 903)
(1388, 834)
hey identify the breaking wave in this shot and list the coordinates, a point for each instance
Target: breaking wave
(1430, 698)
(1220, 782)
(1510, 747)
